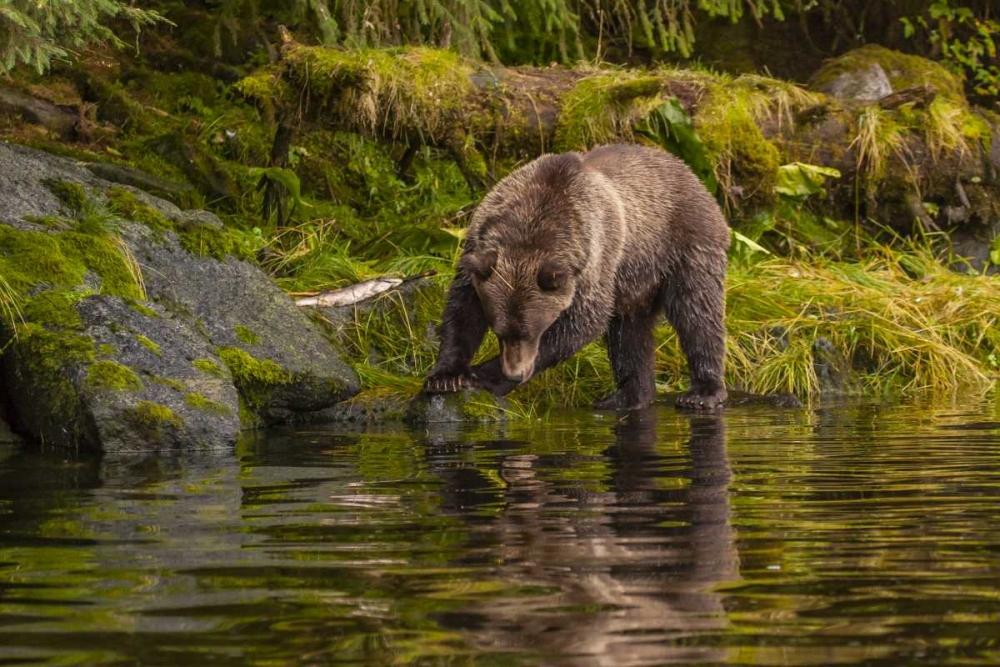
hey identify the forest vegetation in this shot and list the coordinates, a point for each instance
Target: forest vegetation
(341, 141)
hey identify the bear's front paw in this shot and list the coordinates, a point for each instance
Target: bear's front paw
(446, 383)
(703, 398)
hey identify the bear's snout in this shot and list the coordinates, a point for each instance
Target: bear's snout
(518, 359)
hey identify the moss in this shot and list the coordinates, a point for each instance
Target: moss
(397, 89)
(204, 404)
(103, 256)
(742, 156)
(209, 366)
(30, 258)
(141, 308)
(265, 86)
(70, 194)
(218, 243)
(55, 350)
(246, 335)
(125, 204)
(106, 350)
(107, 374)
(46, 356)
(149, 345)
(255, 378)
(903, 71)
(54, 308)
(153, 419)
(169, 382)
(605, 107)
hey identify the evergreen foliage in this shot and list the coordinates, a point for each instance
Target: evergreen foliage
(35, 33)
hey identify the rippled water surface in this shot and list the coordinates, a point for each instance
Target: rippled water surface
(841, 535)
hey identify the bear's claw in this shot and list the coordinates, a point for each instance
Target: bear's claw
(446, 384)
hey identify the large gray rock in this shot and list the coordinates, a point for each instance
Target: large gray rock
(234, 305)
(215, 342)
(139, 389)
(866, 84)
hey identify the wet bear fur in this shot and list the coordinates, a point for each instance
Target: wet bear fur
(578, 245)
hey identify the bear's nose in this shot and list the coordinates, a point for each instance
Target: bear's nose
(518, 360)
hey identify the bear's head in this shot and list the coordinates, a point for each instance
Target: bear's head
(522, 294)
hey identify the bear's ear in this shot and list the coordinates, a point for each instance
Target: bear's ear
(479, 264)
(552, 276)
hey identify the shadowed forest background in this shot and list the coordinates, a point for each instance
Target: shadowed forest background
(853, 146)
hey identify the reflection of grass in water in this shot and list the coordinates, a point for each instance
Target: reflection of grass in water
(903, 321)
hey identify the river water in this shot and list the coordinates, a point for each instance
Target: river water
(852, 534)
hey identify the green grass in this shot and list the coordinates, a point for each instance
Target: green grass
(902, 322)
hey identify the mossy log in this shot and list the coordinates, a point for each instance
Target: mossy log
(919, 142)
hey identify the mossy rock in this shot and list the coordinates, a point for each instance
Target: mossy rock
(470, 405)
(902, 70)
(200, 299)
(99, 385)
(252, 325)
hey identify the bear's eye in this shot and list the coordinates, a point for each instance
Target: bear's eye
(550, 280)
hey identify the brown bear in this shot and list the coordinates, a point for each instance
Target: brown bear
(576, 245)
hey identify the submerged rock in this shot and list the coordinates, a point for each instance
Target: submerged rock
(470, 405)
(204, 343)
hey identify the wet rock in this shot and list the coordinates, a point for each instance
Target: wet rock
(780, 400)
(7, 436)
(285, 365)
(215, 342)
(971, 247)
(133, 384)
(834, 372)
(867, 84)
(470, 405)
(370, 407)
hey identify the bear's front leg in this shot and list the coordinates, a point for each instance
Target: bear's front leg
(695, 305)
(463, 326)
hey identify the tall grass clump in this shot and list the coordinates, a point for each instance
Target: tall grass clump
(901, 321)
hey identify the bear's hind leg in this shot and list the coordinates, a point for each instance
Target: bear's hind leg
(631, 350)
(694, 302)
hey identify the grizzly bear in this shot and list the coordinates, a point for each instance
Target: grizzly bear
(576, 245)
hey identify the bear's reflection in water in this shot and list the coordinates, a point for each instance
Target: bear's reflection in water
(627, 570)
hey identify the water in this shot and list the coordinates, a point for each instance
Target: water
(847, 535)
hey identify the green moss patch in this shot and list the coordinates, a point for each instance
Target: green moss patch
(70, 194)
(149, 345)
(153, 419)
(255, 378)
(107, 374)
(29, 259)
(605, 107)
(125, 204)
(209, 366)
(246, 335)
(396, 89)
(204, 404)
(139, 307)
(218, 243)
(170, 382)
